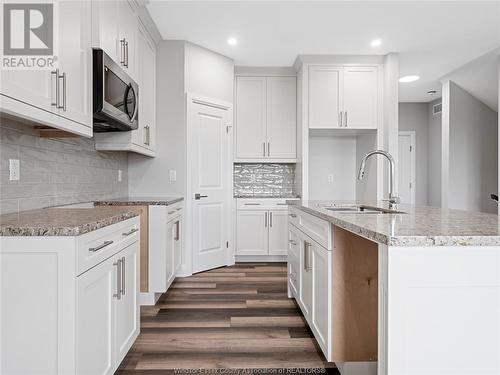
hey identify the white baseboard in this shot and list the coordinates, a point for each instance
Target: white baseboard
(261, 258)
(149, 299)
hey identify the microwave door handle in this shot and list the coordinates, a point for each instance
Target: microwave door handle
(136, 109)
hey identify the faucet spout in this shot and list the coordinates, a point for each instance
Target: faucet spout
(393, 198)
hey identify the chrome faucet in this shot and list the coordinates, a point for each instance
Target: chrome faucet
(393, 198)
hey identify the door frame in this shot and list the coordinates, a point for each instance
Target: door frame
(191, 99)
(412, 135)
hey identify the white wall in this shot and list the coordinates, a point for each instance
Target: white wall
(434, 156)
(180, 67)
(208, 73)
(336, 156)
(414, 117)
(150, 176)
(473, 151)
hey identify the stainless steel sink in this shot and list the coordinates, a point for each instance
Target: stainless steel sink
(360, 209)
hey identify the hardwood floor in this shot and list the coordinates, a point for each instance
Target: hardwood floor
(236, 317)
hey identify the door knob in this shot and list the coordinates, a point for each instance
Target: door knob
(198, 196)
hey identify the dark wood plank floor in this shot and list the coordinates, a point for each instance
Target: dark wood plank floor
(236, 317)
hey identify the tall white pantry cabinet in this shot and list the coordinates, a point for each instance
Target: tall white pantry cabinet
(69, 304)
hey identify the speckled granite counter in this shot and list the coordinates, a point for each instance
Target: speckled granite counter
(62, 221)
(140, 201)
(417, 226)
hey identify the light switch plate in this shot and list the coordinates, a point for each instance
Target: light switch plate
(330, 178)
(14, 170)
(172, 174)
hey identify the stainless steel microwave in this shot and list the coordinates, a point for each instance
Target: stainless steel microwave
(115, 95)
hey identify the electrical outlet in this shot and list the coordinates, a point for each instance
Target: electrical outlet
(119, 175)
(330, 178)
(14, 170)
(172, 175)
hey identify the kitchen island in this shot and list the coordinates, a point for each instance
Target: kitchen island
(416, 289)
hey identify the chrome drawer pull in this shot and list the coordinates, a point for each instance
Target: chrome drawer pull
(133, 230)
(178, 209)
(171, 212)
(292, 215)
(103, 245)
(123, 277)
(292, 242)
(118, 265)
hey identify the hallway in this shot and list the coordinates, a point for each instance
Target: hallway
(236, 317)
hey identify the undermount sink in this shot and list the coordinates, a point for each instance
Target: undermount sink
(360, 209)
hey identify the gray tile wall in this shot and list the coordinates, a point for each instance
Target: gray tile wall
(264, 180)
(55, 171)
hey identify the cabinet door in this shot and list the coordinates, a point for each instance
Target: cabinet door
(252, 232)
(325, 97)
(94, 319)
(278, 232)
(281, 117)
(321, 259)
(305, 272)
(127, 307)
(75, 59)
(361, 97)
(145, 135)
(251, 134)
(170, 265)
(177, 246)
(127, 32)
(105, 25)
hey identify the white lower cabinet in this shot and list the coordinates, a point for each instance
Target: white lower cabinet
(83, 292)
(261, 227)
(311, 284)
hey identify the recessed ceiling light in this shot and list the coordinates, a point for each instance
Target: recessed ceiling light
(376, 42)
(407, 79)
(232, 41)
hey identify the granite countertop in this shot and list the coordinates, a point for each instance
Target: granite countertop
(62, 221)
(140, 201)
(417, 226)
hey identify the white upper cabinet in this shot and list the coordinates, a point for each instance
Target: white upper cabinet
(325, 97)
(266, 118)
(127, 37)
(360, 97)
(281, 117)
(75, 59)
(251, 137)
(343, 97)
(62, 97)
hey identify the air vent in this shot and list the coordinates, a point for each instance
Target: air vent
(437, 108)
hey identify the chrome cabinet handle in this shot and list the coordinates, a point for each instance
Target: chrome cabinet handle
(265, 219)
(126, 54)
(133, 230)
(251, 204)
(340, 119)
(177, 231)
(103, 245)
(307, 246)
(118, 265)
(178, 209)
(123, 277)
(56, 74)
(292, 242)
(264, 149)
(270, 219)
(58, 91)
(268, 148)
(171, 212)
(122, 51)
(292, 215)
(345, 117)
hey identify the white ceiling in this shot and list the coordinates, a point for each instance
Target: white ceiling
(433, 38)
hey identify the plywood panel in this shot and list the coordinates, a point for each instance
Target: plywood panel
(355, 296)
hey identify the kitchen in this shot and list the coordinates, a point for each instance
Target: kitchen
(176, 199)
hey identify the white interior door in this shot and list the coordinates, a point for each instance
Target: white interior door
(406, 172)
(208, 165)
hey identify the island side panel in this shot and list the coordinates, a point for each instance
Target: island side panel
(355, 297)
(443, 310)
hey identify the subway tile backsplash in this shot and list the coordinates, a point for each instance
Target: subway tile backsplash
(264, 180)
(55, 171)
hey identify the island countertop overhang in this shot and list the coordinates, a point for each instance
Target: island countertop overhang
(416, 226)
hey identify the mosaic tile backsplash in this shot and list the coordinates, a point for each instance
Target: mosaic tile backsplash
(264, 180)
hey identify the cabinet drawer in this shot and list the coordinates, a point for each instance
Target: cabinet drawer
(293, 245)
(262, 203)
(174, 211)
(96, 246)
(318, 229)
